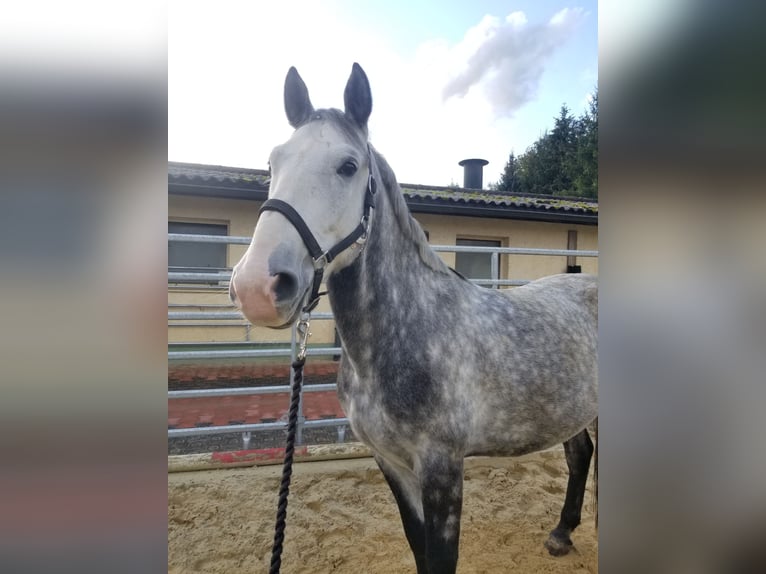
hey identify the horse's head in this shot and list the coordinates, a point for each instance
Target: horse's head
(321, 172)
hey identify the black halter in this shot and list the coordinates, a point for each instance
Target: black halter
(322, 258)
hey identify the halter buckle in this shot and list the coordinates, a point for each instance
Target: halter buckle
(362, 239)
(360, 242)
(321, 261)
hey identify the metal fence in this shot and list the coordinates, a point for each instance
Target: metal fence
(211, 317)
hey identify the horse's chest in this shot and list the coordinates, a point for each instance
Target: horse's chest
(368, 408)
(367, 422)
(363, 406)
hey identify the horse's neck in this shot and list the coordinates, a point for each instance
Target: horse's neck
(387, 286)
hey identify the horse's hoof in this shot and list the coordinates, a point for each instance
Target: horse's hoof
(558, 546)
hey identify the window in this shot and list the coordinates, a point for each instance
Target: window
(477, 265)
(189, 256)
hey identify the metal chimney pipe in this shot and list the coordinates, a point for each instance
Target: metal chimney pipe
(473, 172)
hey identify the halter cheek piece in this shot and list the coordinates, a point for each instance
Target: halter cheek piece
(322, 258)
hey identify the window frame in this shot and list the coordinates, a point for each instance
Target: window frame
(214, 227)
(481, 242)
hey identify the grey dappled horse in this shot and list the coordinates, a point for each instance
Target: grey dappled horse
(434, 368)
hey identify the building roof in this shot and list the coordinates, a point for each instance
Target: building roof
(252, 184)
(213, 174)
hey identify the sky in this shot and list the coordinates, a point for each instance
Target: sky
(449, 80)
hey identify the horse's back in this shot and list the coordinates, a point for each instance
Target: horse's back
(564, 306)
(574, 287)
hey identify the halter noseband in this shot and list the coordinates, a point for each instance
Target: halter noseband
(322, 258)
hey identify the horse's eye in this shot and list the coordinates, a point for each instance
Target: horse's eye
(348, 169)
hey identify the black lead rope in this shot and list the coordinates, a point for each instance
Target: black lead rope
(287, 468)
(292, 426)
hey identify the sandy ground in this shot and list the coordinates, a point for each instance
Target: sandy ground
(342, 518)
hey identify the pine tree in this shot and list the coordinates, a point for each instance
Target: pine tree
(586, 179)
(563, 153)
(509, 179)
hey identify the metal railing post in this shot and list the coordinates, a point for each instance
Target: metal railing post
(495, 268)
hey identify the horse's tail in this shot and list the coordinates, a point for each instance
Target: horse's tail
(595, 474)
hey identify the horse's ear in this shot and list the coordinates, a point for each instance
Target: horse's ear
(297, 103)
(357, 97)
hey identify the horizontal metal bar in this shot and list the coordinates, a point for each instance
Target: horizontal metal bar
(320, 423)
(206, 277)
(237, 316)
(248, 353)
(202, 305)
(186, 287)
(226, 276)
(201, 315)
(202, 431)
(240, 391)
(451, 248)
(206, 324)
(324, 315)
(501, 282)
(195, 238)
(219, 344)
(513, 250)
(222, 315)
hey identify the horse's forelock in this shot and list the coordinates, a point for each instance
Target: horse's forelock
(346, 125)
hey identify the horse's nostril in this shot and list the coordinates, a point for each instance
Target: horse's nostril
(285, 287)
(232, 292)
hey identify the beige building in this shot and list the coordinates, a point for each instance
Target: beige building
(214, 200)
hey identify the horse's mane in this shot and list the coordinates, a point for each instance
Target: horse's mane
(409, 226)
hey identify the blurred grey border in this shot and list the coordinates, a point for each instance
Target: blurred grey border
(83, 231)
(682, 275)
(682, 282)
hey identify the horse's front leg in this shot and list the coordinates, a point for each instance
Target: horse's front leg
(578, 450)
(406, 490)
(441, 480)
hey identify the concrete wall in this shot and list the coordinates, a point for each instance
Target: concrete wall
(241, 215)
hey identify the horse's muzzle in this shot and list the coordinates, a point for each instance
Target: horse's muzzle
(256, 298)
(266, 300)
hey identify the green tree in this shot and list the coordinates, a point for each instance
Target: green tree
(563, 161)
(509, 179)
(585, 180)
(537, 166)
(562, 146)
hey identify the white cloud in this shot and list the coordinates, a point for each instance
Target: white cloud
(508, 65)
(564, 16)
(517, 19)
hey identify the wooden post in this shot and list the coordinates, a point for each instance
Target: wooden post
(572, 266)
